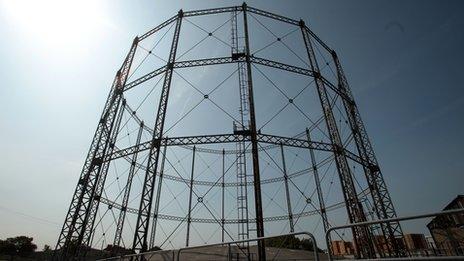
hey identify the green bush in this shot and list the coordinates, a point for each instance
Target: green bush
(290, 242)
(17, 246)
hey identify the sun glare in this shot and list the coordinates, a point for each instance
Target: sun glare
(66, 24)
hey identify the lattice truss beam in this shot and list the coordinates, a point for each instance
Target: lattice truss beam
(158, 186)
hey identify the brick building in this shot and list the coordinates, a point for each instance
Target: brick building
(448, 231)
(342, 248)
(415, 242)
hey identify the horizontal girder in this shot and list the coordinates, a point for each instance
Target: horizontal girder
(176, 141)
(144, 78)
(112, 204)
(213, 11)
(228, 60)
(231, 138)
(159, 27)
(229, 184)
(218, 11)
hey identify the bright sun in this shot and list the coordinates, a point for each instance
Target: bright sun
(61, 23)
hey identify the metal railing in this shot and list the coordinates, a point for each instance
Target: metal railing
(133, 257)
(313, 241)
(381, 221)
(175, 254)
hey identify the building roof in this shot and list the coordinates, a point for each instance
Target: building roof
(453, 202)
(451, 205)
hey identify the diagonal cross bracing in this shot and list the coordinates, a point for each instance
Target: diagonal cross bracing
(78, 226)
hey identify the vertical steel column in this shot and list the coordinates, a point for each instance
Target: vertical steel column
(143, 218)
(157, 200)
(89, 226)
(223, 188)
(320, 196)
(254, 145)
(127, 189)
(382, 202)
(361, 235)
(76, 219)
(287, 191)
(189, 220)
(243, 224)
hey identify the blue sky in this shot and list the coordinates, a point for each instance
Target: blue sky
(402, 60)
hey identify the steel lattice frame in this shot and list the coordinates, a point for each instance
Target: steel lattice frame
(78, 227)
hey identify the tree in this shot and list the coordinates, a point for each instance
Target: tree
(118, 250)
(21, 246)
(47, 250)
(7, 248)
(290, 242)
(155, 248)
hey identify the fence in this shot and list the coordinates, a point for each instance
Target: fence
(365, 224)
(229, 251)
